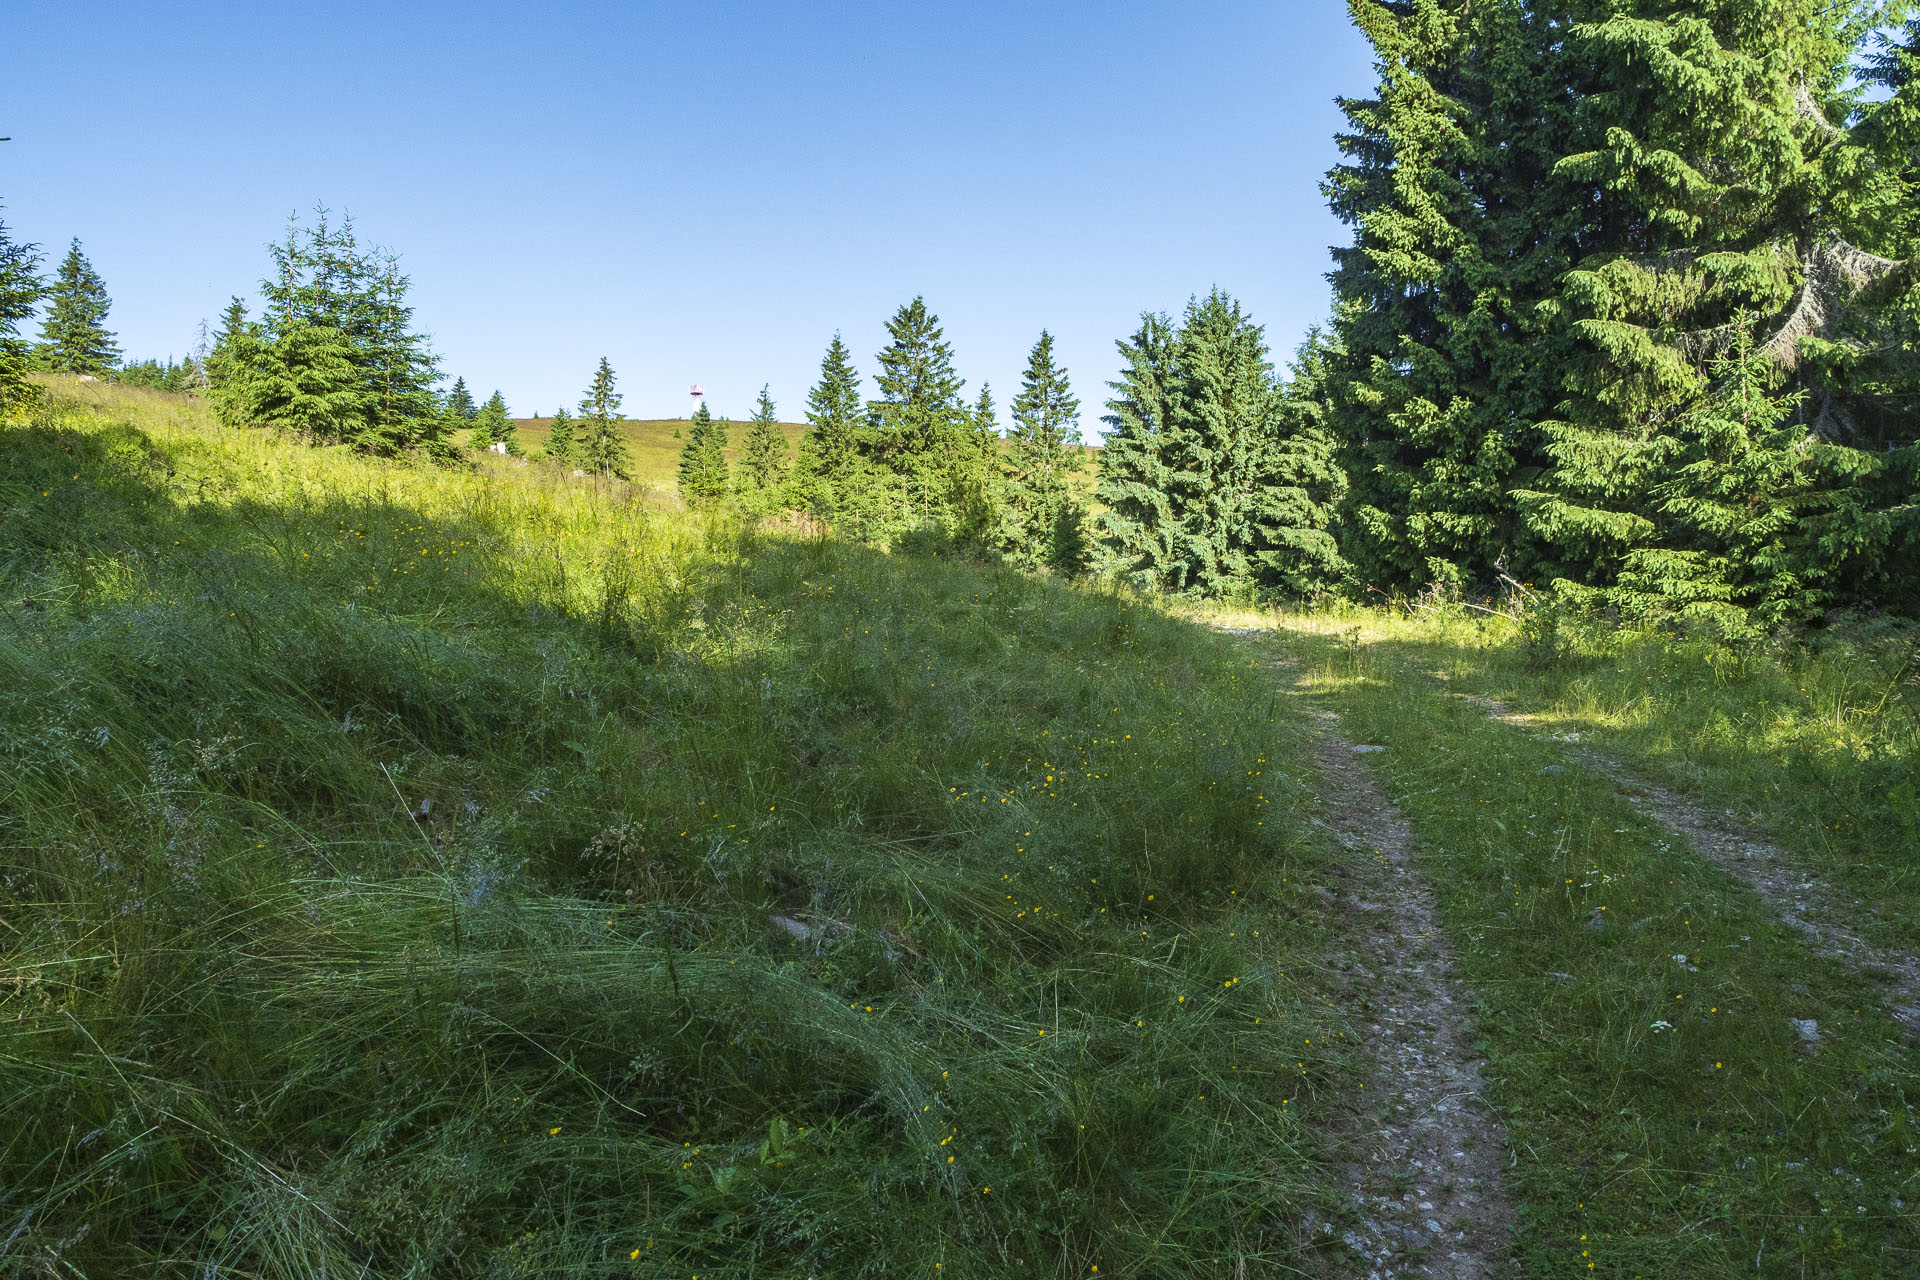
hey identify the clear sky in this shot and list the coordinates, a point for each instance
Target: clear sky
(702, 191)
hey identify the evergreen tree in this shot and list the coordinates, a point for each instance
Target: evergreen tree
(919, 424)
(460, 405)
(1301, 485)
(1067, 540)
(1721, 200)
(232, 366)
(601, 448)
(560, 445)
(1139, 531)
(1045, 450)
(1740, 491)
(703, 461)
(401, 369)
(492, 426)
(74, 337)
(830, 477)
(304, 381)
(1443, 356)
(20, 292)
(762, 473)
(1191, 455)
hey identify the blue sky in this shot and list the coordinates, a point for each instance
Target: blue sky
(700, 192)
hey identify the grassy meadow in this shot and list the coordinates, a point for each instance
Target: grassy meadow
(421, 872)
(485, 872)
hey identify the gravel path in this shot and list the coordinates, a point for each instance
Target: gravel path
(1424, 1157)
(1793, 893)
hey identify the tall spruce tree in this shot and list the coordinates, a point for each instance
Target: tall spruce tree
(20, 291)
(1441, 360)
(1301, 486)
(703, 460)
(460, 403)
(1190, 456)
(764, 458)
(828, 470)
(601, 448)
(401, 370)
(1044, 450)
(1721, 205)
(560, 444)
(494, 426)
(74, 336)
(1139, 532)
(920, 426)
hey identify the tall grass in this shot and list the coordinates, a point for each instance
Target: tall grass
(409, 872)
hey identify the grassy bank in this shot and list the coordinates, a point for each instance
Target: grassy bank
(449, 874)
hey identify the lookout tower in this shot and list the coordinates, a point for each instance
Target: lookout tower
(698, 393)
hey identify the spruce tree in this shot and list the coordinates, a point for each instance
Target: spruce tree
(703, 461)
(305, 382)
(1740, 485)
(833, 476)
(74, 336)
(919, 423)
(232, 366)
(1443, 356)
(560, 445)
(459, 404)
(601, 448)
(1722, 204)
(1195, 428)
(1301, 485)
(1139, 531)
(20, 292)
(493, 426)
(764, 458)
(401, 369)
(1044, 451)
(1067, 540)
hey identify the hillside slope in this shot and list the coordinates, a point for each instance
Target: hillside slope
(425, 872)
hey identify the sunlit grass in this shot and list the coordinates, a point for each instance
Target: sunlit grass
(422, 872)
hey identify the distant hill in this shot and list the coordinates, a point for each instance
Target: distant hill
(656, 446)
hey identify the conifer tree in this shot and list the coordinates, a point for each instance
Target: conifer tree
(1044, 450)
(400, 369)
(74, 336)
(1739, 487)
(1195, 428)
(460, 403)
(20, 292)
(1301, 486)
(493, 426)
(1722, 200)
(560, 445)
(703, 460)
(304, 381)
(601, 447)
(762, 473)
(919, 423)
(1139, 531)
(833, 476)
(1067, 540)
(1443, 355)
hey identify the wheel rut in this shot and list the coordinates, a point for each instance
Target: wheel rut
(1425, 1157)
(1422, 1157)
(1794, 894)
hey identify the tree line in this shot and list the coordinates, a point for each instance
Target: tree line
(1631, 306)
